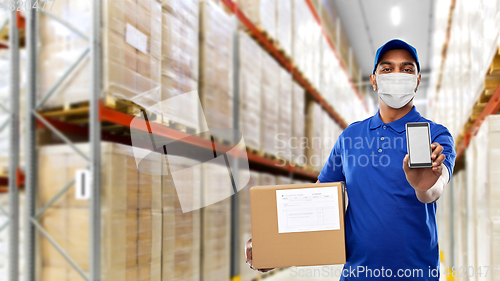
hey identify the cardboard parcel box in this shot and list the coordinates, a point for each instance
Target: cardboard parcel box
(298, 225)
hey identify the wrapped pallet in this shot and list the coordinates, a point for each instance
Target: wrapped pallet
(216, 65)
(181, 230)
(179, 64)
(245, 227)
(284, 25)
(267, 179)
(329, 67)
(297, 181)
(444, 221)
(459, 217)
(215, 223)
(283, 179)
(262, 13)
(131, 42)
(470, 203)
(283, 147)
(269, 112)
(313, 134)
(306, 41)
(485, 182)
(298, 124)
(249, 90)
(329, 136)
(131, 215)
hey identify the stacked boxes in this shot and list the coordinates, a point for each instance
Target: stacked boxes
(329, 67)
(283, 146)
(179, 65)
(59, 48)
(314, 130)
(284, 25)
(249, 89)
(298, 124)
(459, 217)
(306, 42)
(471, 49)
(269, 112)
(330, 133)
(267, 179)
(131, 52)
(283, 180)
(215, 223)
(474, 196)
(216, 65)
(486, 194)
(130, 215)
(181, 231)
(262, 13)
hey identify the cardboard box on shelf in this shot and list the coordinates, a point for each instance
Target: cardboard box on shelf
(250, 74)
(262, 13)
(314, 130)
(130, 214)
(216, 65)
(282, 144)
(131, 51)
(298, 124)
(181, 231)
(311, 232)
(269, 107)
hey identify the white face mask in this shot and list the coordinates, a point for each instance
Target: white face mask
(396, 89)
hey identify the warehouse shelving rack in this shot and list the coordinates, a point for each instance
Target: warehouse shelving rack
(32, 117)
(289, 65)
(15, 178)
(99, 113)
(492, 107)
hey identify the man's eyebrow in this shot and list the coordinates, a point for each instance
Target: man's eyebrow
(385, 62)
(408, 63)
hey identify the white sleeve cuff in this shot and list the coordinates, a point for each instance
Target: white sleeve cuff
(443, 179)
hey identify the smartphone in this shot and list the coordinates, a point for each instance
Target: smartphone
(418, 142)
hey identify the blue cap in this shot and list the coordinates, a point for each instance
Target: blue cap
(395, 44)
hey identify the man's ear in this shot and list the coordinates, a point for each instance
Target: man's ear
(418, 82)
(373, 80)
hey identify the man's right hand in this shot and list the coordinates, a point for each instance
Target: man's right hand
(248, 254)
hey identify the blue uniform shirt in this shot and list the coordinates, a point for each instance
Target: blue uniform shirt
(387, 228)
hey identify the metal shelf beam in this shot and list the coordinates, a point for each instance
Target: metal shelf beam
(13, 271)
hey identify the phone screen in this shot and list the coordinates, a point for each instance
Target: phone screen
(419, 146)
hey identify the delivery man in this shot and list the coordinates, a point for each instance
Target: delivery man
(391, 216)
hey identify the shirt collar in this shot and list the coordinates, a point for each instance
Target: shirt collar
(398, 125)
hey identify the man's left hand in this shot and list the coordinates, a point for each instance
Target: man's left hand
(423, 179)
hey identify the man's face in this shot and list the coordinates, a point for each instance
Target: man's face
(395, 61)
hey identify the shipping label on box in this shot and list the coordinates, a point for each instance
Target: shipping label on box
(298, 225)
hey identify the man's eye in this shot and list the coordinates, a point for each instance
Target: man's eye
(385, 69)
(408, 70)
